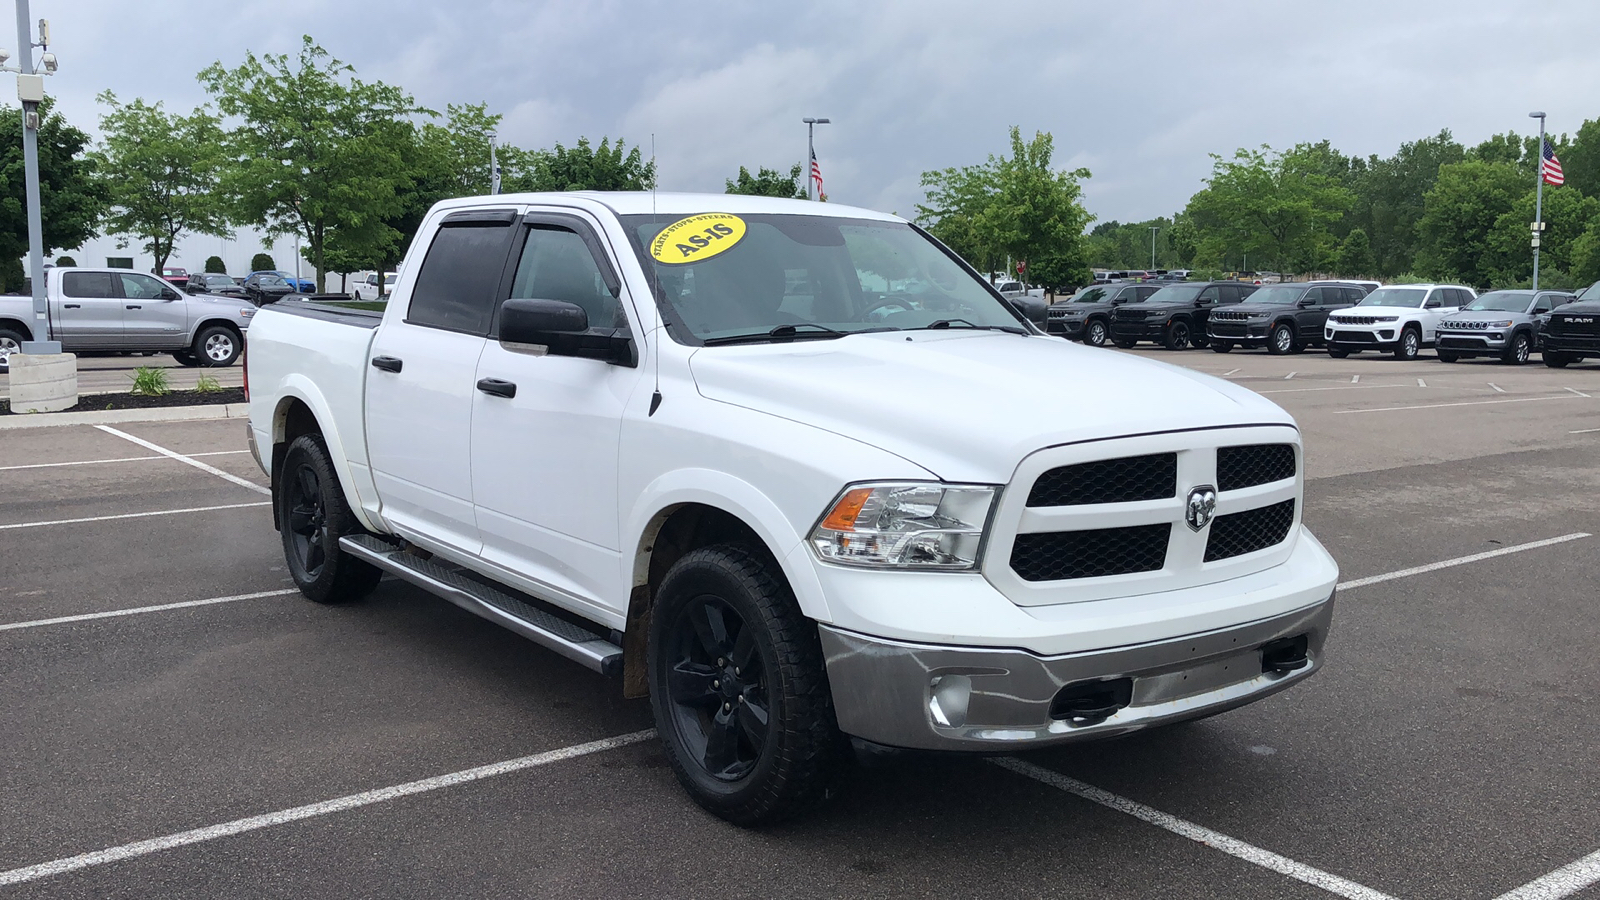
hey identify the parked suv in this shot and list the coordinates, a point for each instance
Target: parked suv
(1087, 315)
(1175, 316)
(1573, 331)
(1399, 318)
(1284, 318)
(1500, 323)
(213, 283)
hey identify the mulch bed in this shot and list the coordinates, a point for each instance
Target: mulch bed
(139, 401)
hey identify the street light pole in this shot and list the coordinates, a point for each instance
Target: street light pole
(1153, 230)
(1538, 196)
(30, 90)
(811, 150)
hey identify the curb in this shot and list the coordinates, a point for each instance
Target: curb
(110, 416)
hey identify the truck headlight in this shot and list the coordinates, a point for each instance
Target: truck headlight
(246, 313)
(1503, 323)
(905, 525)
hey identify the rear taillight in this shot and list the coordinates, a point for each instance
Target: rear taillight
(245, 363)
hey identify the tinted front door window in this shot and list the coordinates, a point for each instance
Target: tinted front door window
(457, 287)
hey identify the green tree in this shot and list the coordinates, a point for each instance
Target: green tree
(956, 202)
(1460, 213)
(215, 265)
(262, 262)
(161, 172)
(1388, 199)
(315, 149)
(1586, 254)
(72, 199)
(1568, 217)
(1580, 162)
(1277, 208)
(608, 167)
(1355, 254)
(769, 183)
(65, 262)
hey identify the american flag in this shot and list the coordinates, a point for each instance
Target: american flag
(1549, 167)
(816, 173)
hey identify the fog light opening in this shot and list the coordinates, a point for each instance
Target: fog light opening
(1091, 702)
(1285, 655)
(947, 699)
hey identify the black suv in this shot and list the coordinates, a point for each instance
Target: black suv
(1284, 318)
(1086, 315)
(1573, 331)
(1176, 315)
(212, 283)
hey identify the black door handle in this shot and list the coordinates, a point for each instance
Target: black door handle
(73, 305)
(387, 363)
(134, 306)
(497, 387)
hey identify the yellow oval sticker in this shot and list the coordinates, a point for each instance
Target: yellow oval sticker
(697, 237)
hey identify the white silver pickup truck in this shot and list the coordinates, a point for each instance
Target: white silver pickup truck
(795, 471)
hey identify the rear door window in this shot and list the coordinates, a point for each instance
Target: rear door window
(458, 285)
(87, 285)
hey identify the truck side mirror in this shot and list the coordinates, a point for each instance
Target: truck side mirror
(562, 328)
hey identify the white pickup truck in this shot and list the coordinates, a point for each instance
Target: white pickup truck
(678, 439)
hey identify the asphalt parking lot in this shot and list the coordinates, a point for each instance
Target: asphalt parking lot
(243, 746)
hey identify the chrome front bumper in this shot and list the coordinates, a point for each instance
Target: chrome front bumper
(932, 697)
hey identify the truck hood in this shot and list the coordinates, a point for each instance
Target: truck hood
(968, 406)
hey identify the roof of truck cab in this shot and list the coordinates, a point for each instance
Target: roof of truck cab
(629, 203)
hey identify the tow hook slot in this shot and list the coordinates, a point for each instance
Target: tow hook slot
(1284, 655)
(1091, 702)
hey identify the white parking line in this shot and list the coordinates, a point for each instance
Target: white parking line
(138, 515)
(1230, 372)
(1463, 560)
(226, 476)
(1355, 379)
(1498, 388)
(1584, 431)
(136, 610)
(1576, 391)
(1421, 383)
(122, 459)
(1290, 375)
(1337, 387)
(1197, 833)
(1563, 882)
(312, 810)
(1342, 412)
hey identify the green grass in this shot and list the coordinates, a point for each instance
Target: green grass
(150, 382)
(207, 385)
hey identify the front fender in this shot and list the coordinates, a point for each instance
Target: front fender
(738, 498)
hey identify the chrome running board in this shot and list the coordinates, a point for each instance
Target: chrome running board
(499, 606)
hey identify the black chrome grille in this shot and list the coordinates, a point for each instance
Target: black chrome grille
(1125, 480)
(1253, 464)
(1462, 341)
(1124, 314)
(1246, 532)
(1575, 324)
(1063, 555)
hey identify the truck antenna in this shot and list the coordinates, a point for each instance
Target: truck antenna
(655, 349)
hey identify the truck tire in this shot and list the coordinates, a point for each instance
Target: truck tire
(1281, 340)
(739, 689)
(313, 514)
(10, 342)
(216, 345)
(1518, 351)
(1337, 353)
(1177, 336)
(1095, 333)
(185, 358)
(1124, 343)
(1448, 356)
(1408, 345)
(1220, 346)
(1555, 359)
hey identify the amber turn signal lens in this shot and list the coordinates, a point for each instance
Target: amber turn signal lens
(843, 515)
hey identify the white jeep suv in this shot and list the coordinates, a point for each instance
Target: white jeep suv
(1398, 318)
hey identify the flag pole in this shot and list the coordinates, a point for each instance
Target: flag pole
(1538, 198)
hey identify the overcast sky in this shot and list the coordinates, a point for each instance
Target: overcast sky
(1138, 92)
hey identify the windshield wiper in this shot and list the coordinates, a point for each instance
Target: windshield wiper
(787, 332)
(948, 323)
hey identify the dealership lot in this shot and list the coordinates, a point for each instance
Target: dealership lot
(1447, 751)
(113, 373)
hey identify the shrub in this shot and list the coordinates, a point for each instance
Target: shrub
(65, 261)
(207, 385)
(216, 265)
(262, 262)
(150, 382)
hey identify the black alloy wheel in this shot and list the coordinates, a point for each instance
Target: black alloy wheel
(717, 684)
(1410, 342)
(1094, 333)
(307, 524)
(1281, 341)
(1177, 337)
(313, 515)
(1519, 350)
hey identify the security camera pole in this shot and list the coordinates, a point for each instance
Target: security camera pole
(30, 90)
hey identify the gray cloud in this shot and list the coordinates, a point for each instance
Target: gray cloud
(1137, 92)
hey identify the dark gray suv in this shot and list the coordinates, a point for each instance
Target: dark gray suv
(1086, 315)
(1284, 318)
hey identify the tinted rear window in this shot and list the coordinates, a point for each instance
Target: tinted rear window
(458, 284)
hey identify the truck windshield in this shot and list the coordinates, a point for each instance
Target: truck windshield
(1502, 301)
(753, 277)
(1392, 297)
(1591, 293)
